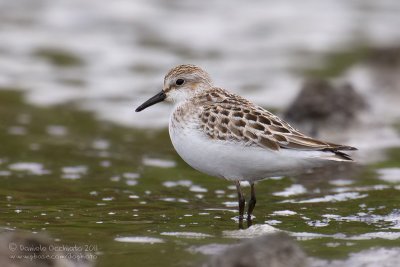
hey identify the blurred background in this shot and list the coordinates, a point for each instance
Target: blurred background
(78, 162)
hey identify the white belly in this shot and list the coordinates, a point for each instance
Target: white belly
(234, 161)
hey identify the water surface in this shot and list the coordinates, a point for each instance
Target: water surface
(127, 192)
(77, 163)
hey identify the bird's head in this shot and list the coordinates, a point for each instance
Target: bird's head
(180, 84)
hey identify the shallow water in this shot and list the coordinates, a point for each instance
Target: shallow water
(77, 163)
(97, 184)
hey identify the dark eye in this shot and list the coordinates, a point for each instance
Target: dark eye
(179, 81)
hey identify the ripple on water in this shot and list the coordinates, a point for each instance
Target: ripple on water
(318, 223)
(101, 144)
(161, 163)
(130, 175)
(139, 239)
(130, 178)
(296, 189)
(230, 204)
(252, 231)
(361, 188)
(221, 209)
(309, 236)
(273, 222)
(193, 235)
(209, 249)
(391, 175)
(184, 183)
(73, 172)
(384, 257)
(284, 213)
(30, 167)
(172, 199)
(219, 192)
(382, 235)
(17, 130)
(56, 130)
(341, 182)
(393, 218)
(330, 198)
(365, 236)
(197, 189)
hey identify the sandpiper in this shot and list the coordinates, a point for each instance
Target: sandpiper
(227, 136)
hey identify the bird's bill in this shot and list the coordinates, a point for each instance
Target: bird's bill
(153, 100)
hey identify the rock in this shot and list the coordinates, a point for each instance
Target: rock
(384, 67)
(272, 250)
(321, 104)
(385, 57)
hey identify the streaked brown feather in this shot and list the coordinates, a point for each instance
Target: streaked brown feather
(252, 125)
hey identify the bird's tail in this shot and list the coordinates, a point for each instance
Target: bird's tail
(337, 154)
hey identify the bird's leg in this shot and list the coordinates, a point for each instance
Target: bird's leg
(252, 202)
(241, 200)
(241, 224)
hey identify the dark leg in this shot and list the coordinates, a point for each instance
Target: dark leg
(241, 200)
(249, 222)
(241, 224)
(252, 202)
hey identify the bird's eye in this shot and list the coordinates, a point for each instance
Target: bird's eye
(179, 81)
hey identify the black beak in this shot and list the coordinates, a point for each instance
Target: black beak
(154, 100)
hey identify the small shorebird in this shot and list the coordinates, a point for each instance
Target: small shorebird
(226, 135)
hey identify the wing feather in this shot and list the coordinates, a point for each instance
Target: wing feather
(230, 117)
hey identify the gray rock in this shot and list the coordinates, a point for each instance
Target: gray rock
(321, 104)
(272, 250)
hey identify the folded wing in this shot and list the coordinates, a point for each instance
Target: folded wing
(229, 119)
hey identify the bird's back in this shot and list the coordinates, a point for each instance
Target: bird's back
(225, 116)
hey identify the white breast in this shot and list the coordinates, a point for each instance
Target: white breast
(234, 161)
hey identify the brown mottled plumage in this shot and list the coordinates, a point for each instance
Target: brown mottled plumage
(229, 117)
(225, 135)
